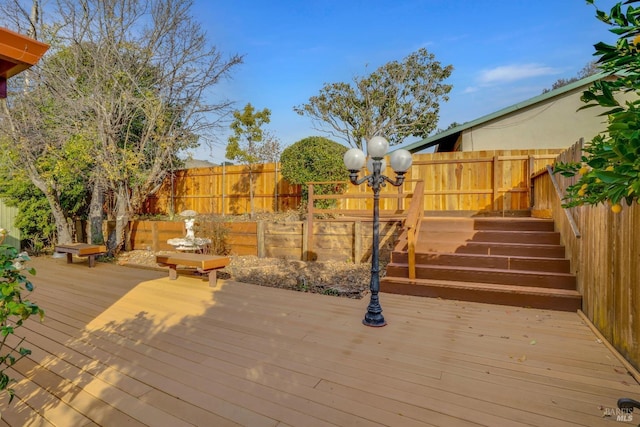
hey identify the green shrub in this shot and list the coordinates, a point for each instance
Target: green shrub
(315, 159)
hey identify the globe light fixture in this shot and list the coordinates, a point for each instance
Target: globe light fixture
(354, 160)
(377, 147)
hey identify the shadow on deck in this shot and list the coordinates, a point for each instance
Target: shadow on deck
(122, 346)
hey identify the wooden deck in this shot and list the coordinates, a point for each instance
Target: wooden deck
(129, 347)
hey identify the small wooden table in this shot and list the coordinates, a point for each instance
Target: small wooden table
(83, 250)
(203, 263)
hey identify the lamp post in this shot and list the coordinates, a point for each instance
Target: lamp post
(354, 159)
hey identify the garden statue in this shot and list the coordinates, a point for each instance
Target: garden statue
(189, 226)
(190, 242)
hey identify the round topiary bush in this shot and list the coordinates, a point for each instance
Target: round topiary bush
(315, 159)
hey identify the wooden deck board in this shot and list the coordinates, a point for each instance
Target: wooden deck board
(122, 346)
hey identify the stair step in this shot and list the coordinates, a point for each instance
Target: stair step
(495, 236)
(555, 265)
(487, 248)
(486, 223)
(513, 260)
(514, 224)
(539, 279)
(514, 249)
(521, 296)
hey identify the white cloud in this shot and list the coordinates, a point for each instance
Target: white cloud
(511, 73)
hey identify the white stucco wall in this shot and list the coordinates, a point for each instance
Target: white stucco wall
(554, 123)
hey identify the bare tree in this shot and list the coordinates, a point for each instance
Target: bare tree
(590, 69)
(398, 100)
(134, 78)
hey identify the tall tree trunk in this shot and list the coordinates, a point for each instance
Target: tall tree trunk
(122, 219)
(96, 215)
(63, 228)
(65, 234)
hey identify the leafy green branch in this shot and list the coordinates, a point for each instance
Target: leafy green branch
(610, 169)
(14, 310)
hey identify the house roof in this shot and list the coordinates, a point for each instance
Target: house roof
(196, 163)
(450, 136)
(18, 52)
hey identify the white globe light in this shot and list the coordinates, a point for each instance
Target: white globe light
(401, 160)
(383, 165)
(354, 159)
(377, 147)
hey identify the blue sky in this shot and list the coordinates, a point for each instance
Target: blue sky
(502, 51)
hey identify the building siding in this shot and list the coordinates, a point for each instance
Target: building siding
(7, 221)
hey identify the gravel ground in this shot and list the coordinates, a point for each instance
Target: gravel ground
(328, 277)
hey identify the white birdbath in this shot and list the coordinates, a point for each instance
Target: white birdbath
(190, 242)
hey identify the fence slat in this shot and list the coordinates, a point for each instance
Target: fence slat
(484, 180)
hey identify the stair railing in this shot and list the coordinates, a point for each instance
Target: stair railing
(559, 192)
(415, 213)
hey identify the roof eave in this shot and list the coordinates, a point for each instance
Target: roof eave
(18, 52)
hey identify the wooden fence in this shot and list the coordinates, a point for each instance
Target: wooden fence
(604, 249)
(475, 181)
(344, 240)
(224, 190)
(463, 181)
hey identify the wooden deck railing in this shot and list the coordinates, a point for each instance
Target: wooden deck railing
(415, 213)
(343, 199)
(385, 214)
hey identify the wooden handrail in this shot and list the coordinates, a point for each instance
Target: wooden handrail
(415, 213)
(559, 192)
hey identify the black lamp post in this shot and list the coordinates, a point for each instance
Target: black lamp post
(354, 159)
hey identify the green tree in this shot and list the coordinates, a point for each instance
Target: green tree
(610, 170)
(250, 144)
(36, 150)
(315, 159)
(398, 100)
(130, 77)
(34, 218)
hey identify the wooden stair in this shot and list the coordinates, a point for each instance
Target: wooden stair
(515, 261)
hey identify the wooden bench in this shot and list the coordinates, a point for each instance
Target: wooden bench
(203, 263)
(83, 250)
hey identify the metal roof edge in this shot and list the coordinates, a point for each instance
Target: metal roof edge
(433, 140)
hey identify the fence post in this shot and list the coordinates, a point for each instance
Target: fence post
(260, 227)
(307, 253)
(224, 169)
(154, 236)
(495, 183)
(305, 232)
(276, 209)
(357, 242)
(530, 171)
